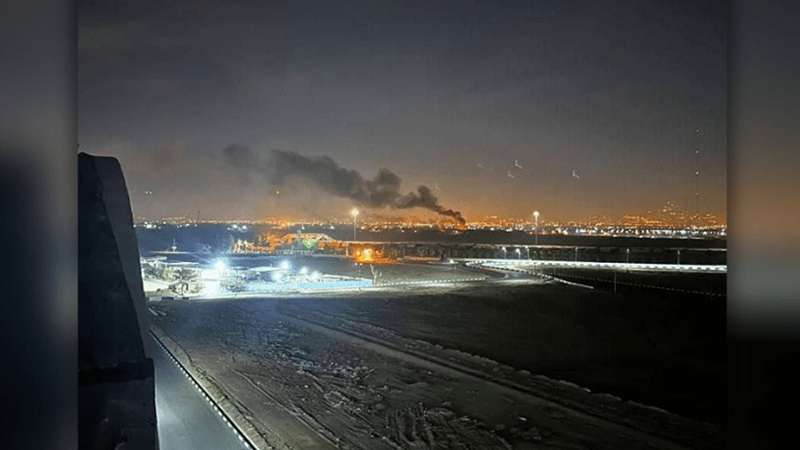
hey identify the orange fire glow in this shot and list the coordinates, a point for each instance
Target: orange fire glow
(366, 255)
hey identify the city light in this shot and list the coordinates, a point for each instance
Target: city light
(303, 270)
(285, 265)
(669, 220)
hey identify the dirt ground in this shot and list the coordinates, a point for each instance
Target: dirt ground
(652, 347)
(476, 367)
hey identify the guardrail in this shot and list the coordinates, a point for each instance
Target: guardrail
(648, 267)
(207, 396)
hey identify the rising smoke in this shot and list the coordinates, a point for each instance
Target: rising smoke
(382, 191)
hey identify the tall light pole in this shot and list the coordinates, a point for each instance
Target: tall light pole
(536, 231)
(354, 213)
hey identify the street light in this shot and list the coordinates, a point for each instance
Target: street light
(354, 213)
(536, 231)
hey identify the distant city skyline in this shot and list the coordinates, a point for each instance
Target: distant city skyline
(577, 108)
(669, 215)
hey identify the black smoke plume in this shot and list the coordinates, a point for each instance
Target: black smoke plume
(382, 191)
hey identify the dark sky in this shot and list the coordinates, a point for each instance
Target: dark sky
(448, 94)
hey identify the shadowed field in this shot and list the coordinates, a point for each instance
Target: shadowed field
(653, 347)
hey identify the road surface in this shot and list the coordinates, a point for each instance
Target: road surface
(186, 421)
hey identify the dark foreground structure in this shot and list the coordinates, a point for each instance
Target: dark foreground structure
(117, 389)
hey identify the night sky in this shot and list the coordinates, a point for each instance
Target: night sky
(574, 108)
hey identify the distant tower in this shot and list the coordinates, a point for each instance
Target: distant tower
(697, 174)
(148, 195)
(697, 182)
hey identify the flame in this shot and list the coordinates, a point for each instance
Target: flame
(369, 256)
(365, 255)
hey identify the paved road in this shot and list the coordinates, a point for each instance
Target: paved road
(186, 421)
